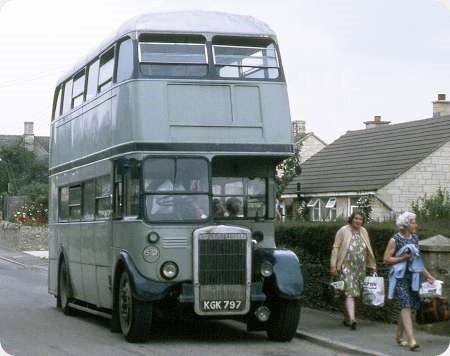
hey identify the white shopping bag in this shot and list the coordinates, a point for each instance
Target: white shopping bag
(373, 291)
(428, 289)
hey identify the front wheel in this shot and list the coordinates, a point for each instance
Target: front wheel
(284, 318)
(135, 316)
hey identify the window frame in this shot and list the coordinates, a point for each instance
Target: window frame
(74, 205)
(77, 76)
(205, 47)
(57, 99)
(245, 197)
(237, 41)
(144, 193)
(118, 45)
(103, 197)
(107, 84)
(67, 218)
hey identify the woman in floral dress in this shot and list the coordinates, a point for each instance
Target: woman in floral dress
(351, 254)
(407, 299)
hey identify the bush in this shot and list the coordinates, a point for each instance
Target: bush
(435, 206)
(313, 242)
(32, 214)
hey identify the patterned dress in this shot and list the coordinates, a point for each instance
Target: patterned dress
(403, 293)
(353, 268)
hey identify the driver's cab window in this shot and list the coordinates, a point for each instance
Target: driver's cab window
(176, 189)
(126, 189)
(239, 197)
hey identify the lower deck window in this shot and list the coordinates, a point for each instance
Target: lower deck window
(239, 197)
(176, 189)
(86, 201)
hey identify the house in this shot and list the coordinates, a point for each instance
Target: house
(38, 144)
(310, 143)
(393, 164)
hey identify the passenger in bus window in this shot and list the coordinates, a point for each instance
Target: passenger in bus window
(234, 207)
(219, 209)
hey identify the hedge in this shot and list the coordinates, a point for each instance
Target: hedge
(312, 242)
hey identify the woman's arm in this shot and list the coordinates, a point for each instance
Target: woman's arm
(428, 276)
(389, 257)
(334, 252)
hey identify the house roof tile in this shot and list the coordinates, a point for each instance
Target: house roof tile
(366, 160)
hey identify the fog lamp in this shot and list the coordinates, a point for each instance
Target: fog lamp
(153, 237)
(266, 269)
(262, 313)
(169, 270)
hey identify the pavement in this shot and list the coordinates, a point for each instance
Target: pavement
(370, 338)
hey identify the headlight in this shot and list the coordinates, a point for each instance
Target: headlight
(266, 269)
(169, 270)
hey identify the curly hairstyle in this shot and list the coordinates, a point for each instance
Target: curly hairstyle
(351, 217)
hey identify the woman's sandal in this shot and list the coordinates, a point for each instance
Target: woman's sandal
(413, 347)
(401, 342)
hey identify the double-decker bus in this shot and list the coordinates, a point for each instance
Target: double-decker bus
(164, 143)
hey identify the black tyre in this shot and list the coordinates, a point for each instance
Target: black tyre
(135, 316)
(64, 290)
(284, 318)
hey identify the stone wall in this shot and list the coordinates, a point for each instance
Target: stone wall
(22, 237)
(436, 256)
(424, 178)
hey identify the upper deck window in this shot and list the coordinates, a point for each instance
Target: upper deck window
(78, 89)
(245, 58)
(106, 71)
(173, 56)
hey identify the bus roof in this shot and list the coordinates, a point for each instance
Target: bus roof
(181, 22)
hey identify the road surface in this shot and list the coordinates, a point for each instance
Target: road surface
(30, 324)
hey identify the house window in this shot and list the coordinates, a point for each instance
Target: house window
(330, 209)
(353, 205)
(314, 209)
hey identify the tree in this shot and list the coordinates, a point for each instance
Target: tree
(25, 174)
(287, 170)
(364, 206)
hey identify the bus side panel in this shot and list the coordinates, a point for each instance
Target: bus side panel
(88, 262)
(103, 258)
(70, 242)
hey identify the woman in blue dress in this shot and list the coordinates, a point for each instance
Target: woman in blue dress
(407, 298)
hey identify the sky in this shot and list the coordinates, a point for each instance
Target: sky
(345, 61)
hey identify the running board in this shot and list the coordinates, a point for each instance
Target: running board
(89, 310)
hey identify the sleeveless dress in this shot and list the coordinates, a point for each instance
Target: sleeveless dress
(405, 296)
(353, 268)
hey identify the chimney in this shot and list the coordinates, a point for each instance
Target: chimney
(298, 129)
(28, 135)
(376, 122)
(441, 107)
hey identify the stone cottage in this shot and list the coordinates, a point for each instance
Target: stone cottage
(393, 164)
(309, 141)
(37, 144)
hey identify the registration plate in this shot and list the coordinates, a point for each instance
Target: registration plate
(221, 305)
